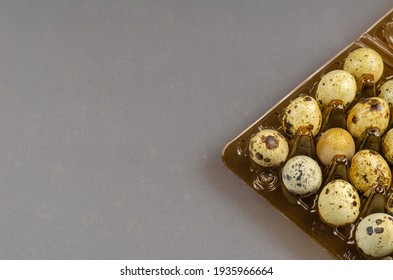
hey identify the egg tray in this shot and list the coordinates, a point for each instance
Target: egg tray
(267, 182)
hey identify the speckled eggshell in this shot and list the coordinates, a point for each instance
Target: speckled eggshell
(302, 175)
(387, 146)
(336, 84)
(368, 168)
(335, 141)
(386, 92)
(338, 203)
(268, 148)
(374, 235)
(364, 61)
(302, 111)
(372, 111)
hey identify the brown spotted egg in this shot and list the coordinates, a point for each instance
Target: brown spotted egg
(387, 146)
(374, 235)
(338, 203)
(364, 61)
(302, 111)
(336, 84)
(368, 168)
(268, 148)
(372, 111)
(386, 92)
(302, 175)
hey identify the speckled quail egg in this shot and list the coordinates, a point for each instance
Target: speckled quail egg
(268, 148)
(367, 169)
(387, 146)
(302, 111)
(302, 175)
(364, 61)
(338, 203)
(386, 92)
(336, 84)
(372, 111)
(335, 141)
(374, 235)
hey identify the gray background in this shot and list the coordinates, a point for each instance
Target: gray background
(113, 116)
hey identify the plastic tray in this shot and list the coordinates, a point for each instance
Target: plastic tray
(236, 158)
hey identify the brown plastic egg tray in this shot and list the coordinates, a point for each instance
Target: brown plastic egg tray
(302, 211)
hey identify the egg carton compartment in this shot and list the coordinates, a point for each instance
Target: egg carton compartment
(382, 32)
(267, 182)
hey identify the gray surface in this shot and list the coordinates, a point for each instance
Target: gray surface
(113, 116)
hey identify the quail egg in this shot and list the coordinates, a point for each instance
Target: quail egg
(364, 61)
(367, 169)
(374, 235)
(268, 148)
(386, 92)
(336, 84)
(302, 111)
(372, 111)
(338, 203)
(302, 175)
(335, 141)
(387, 146)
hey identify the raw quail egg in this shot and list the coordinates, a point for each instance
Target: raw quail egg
(364, 61)
(367, 169)
(386, 92)
(336, 84)
(335, 141)
(302, 175)
(374, 235)
(387, 146)
(338, 203)
(372, 111)
(302, 111)
(268, 148)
